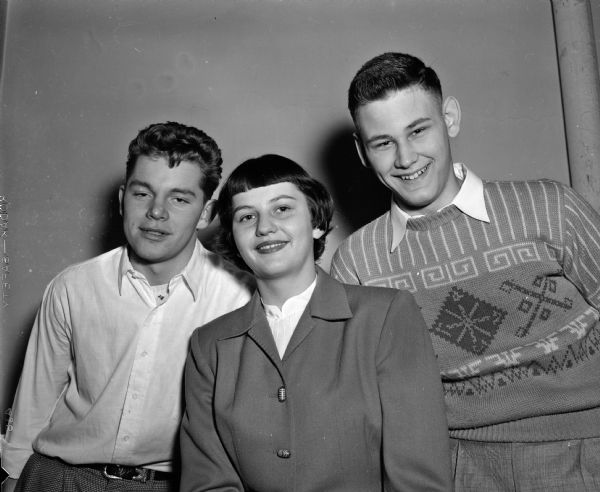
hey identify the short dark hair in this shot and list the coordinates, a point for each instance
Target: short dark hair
(264, 171)
(177, 142)
(390, 72)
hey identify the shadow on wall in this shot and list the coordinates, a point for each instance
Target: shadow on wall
(358, 195)
(110, 228)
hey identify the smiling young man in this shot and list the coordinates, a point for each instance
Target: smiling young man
(99, 401)
(507, 278)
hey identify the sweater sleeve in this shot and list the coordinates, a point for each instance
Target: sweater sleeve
(581, 240)
(342, 265)
(205, 463)
(43, 379)
(415, 446)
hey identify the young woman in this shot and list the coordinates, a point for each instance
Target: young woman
(313, 385)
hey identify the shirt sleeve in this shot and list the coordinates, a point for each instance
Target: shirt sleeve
(205, 463)
(415, 448)
(43, 379)
(581, 239)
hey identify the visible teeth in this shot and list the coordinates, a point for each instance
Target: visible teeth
(415, 175)
(270, 246)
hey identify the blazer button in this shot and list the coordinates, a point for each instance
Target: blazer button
(283, 453)
(281, 394)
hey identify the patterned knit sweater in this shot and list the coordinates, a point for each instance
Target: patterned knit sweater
(512, 307)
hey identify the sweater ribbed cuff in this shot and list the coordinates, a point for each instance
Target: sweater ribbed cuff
(560, 427)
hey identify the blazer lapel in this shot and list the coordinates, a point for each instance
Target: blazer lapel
(254, 324)
(260, 331)
(328, 302)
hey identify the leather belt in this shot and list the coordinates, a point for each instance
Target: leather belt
(137, 474)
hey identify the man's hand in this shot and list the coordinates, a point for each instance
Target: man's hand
(9, 484)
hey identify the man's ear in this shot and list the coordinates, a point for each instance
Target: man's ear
(360, 149)
(207, 215)
(121, 193)
(317, 233)
(451, 110)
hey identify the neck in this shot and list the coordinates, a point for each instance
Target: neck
(278, 290)
(161, 272)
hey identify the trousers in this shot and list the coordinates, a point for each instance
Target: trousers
(560, 466)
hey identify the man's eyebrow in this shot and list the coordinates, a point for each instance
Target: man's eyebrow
(379, 137)
(410, 126)
(181, 191)
(419, 121)
(138, 182)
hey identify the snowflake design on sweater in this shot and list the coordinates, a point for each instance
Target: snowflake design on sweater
(536, 302)
(468, 322)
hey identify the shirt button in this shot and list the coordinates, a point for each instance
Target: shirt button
(284, 453)
(281, 394)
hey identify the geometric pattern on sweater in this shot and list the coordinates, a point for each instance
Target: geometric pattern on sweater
(535, 300)
(552, 364)
(445, 274)
(402, 281)
(468, 322)
(571, 333)
(465, 268)
(510, 255)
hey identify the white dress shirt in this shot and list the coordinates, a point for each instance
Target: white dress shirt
(283, 321)
(102, 377)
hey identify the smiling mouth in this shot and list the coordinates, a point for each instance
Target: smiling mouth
(153, 233)
(415, 175)
(270, 247)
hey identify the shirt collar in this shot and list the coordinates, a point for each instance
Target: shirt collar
(294, 303)
(469, 200)
(191, 274)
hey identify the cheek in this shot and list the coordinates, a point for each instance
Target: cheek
(382, 162)
(131, 210)
(240, 239)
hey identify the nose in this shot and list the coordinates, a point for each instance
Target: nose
(264, 225)
(405, 156)
(157, 210)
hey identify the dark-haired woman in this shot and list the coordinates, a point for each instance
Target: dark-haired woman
(313, 385)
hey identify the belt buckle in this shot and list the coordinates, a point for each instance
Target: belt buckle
(110, 475)
(141, 476)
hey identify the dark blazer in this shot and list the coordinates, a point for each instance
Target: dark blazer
(354, 405)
